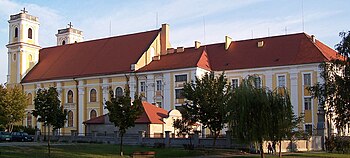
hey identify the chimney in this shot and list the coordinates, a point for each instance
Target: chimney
(180, 49)
(164, 39)
(197, 44)
(156, 57)
(227, 42)
(170, 51)
(260, 44)
(313, 38)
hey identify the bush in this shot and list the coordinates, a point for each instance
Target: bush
(339, 143)
(342, 144)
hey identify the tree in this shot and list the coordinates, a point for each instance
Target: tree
(49, 111)
(184, 125)
(123, 112)
(208, 100)
(333, 93)
(258, 114)
(283, 121)
(12, 106)
(249, 113)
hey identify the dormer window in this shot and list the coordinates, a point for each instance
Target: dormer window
(30, 33)
(63, 42)
(16, 32)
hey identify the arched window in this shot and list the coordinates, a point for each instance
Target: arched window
(16, 32)
(63, 42)
(29, 119)
(30, 33)
(93, 114)
(29, 99)
(70, 96)
(14, 57)
(70, 118)
(92, 95)
(118, 92)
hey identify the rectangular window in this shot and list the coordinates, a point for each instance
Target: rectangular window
(308, 128)
(178, 94)
(142, 86)
(307, 103)
(281, 81)
(159, 85)
(234, 83)
(257, 82)
(181, 78)
(307, 79)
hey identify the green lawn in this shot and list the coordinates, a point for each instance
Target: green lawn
(112, 151)
(89, 151)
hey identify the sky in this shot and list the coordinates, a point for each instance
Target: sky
(207, 21)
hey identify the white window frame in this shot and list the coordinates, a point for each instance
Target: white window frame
(180, 75)
(278, 81)
(160, 86)
(237, 82)
(115, 90)
(90, 95)
(303, 78)
(143, 88)
(261, 81)
(91, 111)
(311, 103)
(67, 96)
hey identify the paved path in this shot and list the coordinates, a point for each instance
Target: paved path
(30, 144)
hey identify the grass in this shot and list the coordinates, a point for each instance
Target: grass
(89, 151)
(112, 151)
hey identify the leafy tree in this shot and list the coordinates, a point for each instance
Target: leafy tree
(208, 100)
(49, 111)
(250, 112)
(333, 94)
(184, 125)
(12, 106)
(283, 121)
(123, 112)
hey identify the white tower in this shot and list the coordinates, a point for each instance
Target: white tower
(23, 47)
(69, 35)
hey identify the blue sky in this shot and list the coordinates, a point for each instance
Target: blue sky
(240, 19)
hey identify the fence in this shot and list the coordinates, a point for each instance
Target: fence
(167, 140)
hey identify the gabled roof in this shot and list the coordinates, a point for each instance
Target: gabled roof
(97, 57)
(189, 58)
(151, 115)
(282, 50)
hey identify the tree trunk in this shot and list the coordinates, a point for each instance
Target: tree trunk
(121, 145)
(48, 140)
(261, 150)
(280, 149)
(215, 137)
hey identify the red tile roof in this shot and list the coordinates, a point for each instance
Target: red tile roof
(151, 115)
(282, 50)
(97, 57)
(277, 51)
(191, 57)
(96, 120)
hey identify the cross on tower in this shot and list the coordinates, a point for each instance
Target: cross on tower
(24, 10)
(70, 25)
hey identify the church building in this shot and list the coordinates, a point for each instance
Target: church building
(84, 71)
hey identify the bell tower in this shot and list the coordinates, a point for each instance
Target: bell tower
(69, 35)
(23, 47)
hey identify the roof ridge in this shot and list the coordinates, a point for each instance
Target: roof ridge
(106, 38)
